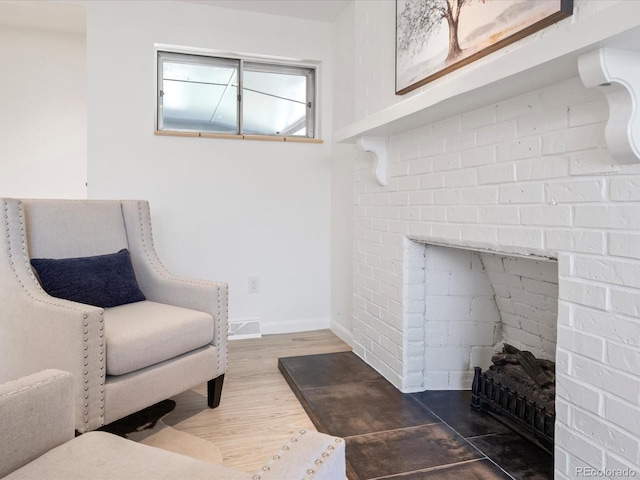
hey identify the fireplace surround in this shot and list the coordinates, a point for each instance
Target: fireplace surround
(531, 151)
(529, 176)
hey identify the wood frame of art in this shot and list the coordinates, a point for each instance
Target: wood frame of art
(435, 37)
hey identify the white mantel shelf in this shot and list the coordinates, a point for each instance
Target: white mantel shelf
(514, 70)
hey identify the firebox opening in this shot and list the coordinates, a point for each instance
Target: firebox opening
(492, 312)
(474, 302)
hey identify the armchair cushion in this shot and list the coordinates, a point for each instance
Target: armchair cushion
(102, 280)
(100, 455)
(145, 333)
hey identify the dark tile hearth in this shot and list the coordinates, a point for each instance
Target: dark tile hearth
(474, 470)
(365, 407)
(521, 453)
(420, 436)
(405, 450)
(329, 370)
(453, 408)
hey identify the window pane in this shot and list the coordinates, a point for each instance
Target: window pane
(200, 93)
(274, 103)
(199, 97)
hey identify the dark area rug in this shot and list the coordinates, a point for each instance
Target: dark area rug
(148, 427)
(420, 436)
(142, 420)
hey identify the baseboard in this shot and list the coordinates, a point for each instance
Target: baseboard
(254, 328)
(295, 326)
(345, 335)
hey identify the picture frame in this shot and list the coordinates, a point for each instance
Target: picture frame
(435, 37)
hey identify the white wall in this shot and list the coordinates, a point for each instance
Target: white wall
(43, 125)
(342, 241)
(341, 177)
(222, 209)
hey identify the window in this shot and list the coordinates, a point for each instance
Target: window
(207, 94)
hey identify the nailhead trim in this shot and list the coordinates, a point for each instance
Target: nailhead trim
(35, 385)
(319, 461)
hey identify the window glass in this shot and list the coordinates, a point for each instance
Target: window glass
(274, 103)
(199, 96)
(200, 93)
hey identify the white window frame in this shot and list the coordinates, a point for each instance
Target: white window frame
(266, 64)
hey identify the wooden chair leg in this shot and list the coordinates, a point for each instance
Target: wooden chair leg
(214, 391)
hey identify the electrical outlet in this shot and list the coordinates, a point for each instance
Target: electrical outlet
(254, 284)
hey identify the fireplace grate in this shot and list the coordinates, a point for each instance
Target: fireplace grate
(512, 408)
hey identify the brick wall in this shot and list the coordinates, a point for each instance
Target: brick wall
(526, 293)
(462, 321)
(529, 175)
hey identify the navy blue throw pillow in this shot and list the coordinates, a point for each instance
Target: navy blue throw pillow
(103, 280)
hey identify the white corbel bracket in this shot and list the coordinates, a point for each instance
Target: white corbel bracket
(616, 73)
(379, 147)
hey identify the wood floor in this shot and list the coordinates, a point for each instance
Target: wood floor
(258, 412)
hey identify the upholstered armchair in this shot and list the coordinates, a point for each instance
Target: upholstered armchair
(169, 337)
(37, 442)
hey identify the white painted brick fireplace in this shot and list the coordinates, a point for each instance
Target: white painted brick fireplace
(529, 176)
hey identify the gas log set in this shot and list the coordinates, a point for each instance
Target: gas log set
(519, 389)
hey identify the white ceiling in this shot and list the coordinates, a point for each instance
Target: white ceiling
(70, 16)
(45, 15)
(319, 10)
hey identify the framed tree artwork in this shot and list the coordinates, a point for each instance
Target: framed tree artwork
(435, 37)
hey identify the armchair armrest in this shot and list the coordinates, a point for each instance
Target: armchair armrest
(36, 415)
(159, 285)
(308, 456)
(38, 331)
